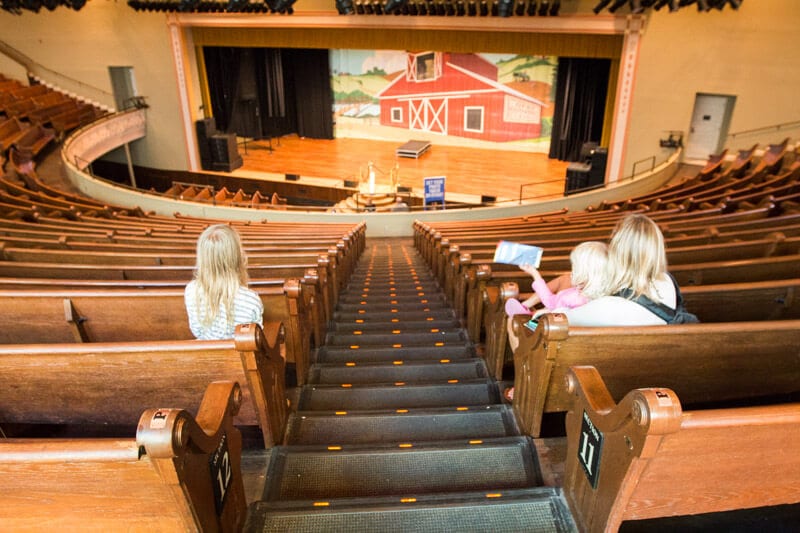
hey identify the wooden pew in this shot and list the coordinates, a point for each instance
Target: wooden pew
(774, 299)
(646, 456)
(92, 316)
(707, 273)
(34, 141)
(180, 473)
(462, 271)
(108, 383)
(746, 359)
(10, 131)
(19, 274)
(73, 118)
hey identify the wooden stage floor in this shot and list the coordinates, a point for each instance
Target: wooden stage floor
(469, 170)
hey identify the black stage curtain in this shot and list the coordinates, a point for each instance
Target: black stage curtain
(274, 91)
(222, 70)
(581, 88)
(310, 72)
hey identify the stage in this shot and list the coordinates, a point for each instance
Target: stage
(471, 171)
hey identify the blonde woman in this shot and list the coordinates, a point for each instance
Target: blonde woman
(217, 299)
(637, 266)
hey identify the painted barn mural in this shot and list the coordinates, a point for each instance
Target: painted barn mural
(495, 99)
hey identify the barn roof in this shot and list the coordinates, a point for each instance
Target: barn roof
(400, 87)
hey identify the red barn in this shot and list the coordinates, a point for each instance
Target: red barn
(458, 94)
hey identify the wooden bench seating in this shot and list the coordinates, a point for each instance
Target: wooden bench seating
(481, 247)
(34, 141)
(336, 268)
(74, 118)
(42, 114)
(474, 275)
(107, 383)
(122, 245)
(167, 478)
(124, 226)
(721, 277)
(458, 265)
(773, 299)
(641, 453)
(315, 288)
(32, 181)
(20, 108)
(10, 131)
(90, 316)
(29, 91)
(702, 363)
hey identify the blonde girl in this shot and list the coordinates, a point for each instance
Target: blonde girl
(217, 299)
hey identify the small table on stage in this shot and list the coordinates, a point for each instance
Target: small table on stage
(413, 149)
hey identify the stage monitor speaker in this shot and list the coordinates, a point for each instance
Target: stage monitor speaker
(205, 129)
(292, 177)
(401, 188)
(597, 170)
(225, 152)
(351, 184)
(488, 199)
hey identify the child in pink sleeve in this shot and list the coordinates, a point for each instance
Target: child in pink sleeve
(588, 261)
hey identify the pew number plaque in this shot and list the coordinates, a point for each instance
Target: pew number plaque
(220, 466)
(589, 449)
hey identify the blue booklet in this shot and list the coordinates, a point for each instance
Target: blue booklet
(514, 253)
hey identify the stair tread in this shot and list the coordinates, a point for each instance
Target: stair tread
(385, 396)
(406, 353)
(392, 371)
(540, 509)
(408, 425)
(320, 472)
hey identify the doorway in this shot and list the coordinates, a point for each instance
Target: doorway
(708, 130)
(123, 84)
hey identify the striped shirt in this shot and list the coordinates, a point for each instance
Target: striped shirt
(247, 307)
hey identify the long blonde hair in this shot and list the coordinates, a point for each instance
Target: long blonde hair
(588, 261)
(636, 257)
(220, 270)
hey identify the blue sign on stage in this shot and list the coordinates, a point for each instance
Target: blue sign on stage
(434, 189)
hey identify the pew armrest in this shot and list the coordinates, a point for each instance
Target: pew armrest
(200, 457)
(609, 444)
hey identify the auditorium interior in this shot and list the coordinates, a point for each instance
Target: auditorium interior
(371, 154)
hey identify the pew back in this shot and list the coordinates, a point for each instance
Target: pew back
(738, 360)
(648, 457)
(166, 479)
(109, 383)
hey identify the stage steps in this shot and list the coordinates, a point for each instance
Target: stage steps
(399, 427)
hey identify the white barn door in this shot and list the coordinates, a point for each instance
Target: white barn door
(429, 114)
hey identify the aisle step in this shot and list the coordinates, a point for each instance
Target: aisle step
(397, 396)
(388, 325)
(331, 471)
(384, 305)
(540, 510)
(418, 314)
(394, 371)
(432, 337)
(406, 425)
(451, 352)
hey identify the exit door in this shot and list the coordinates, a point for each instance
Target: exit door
(709, 128)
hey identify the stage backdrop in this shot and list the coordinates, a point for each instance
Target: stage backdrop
(500, 101)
